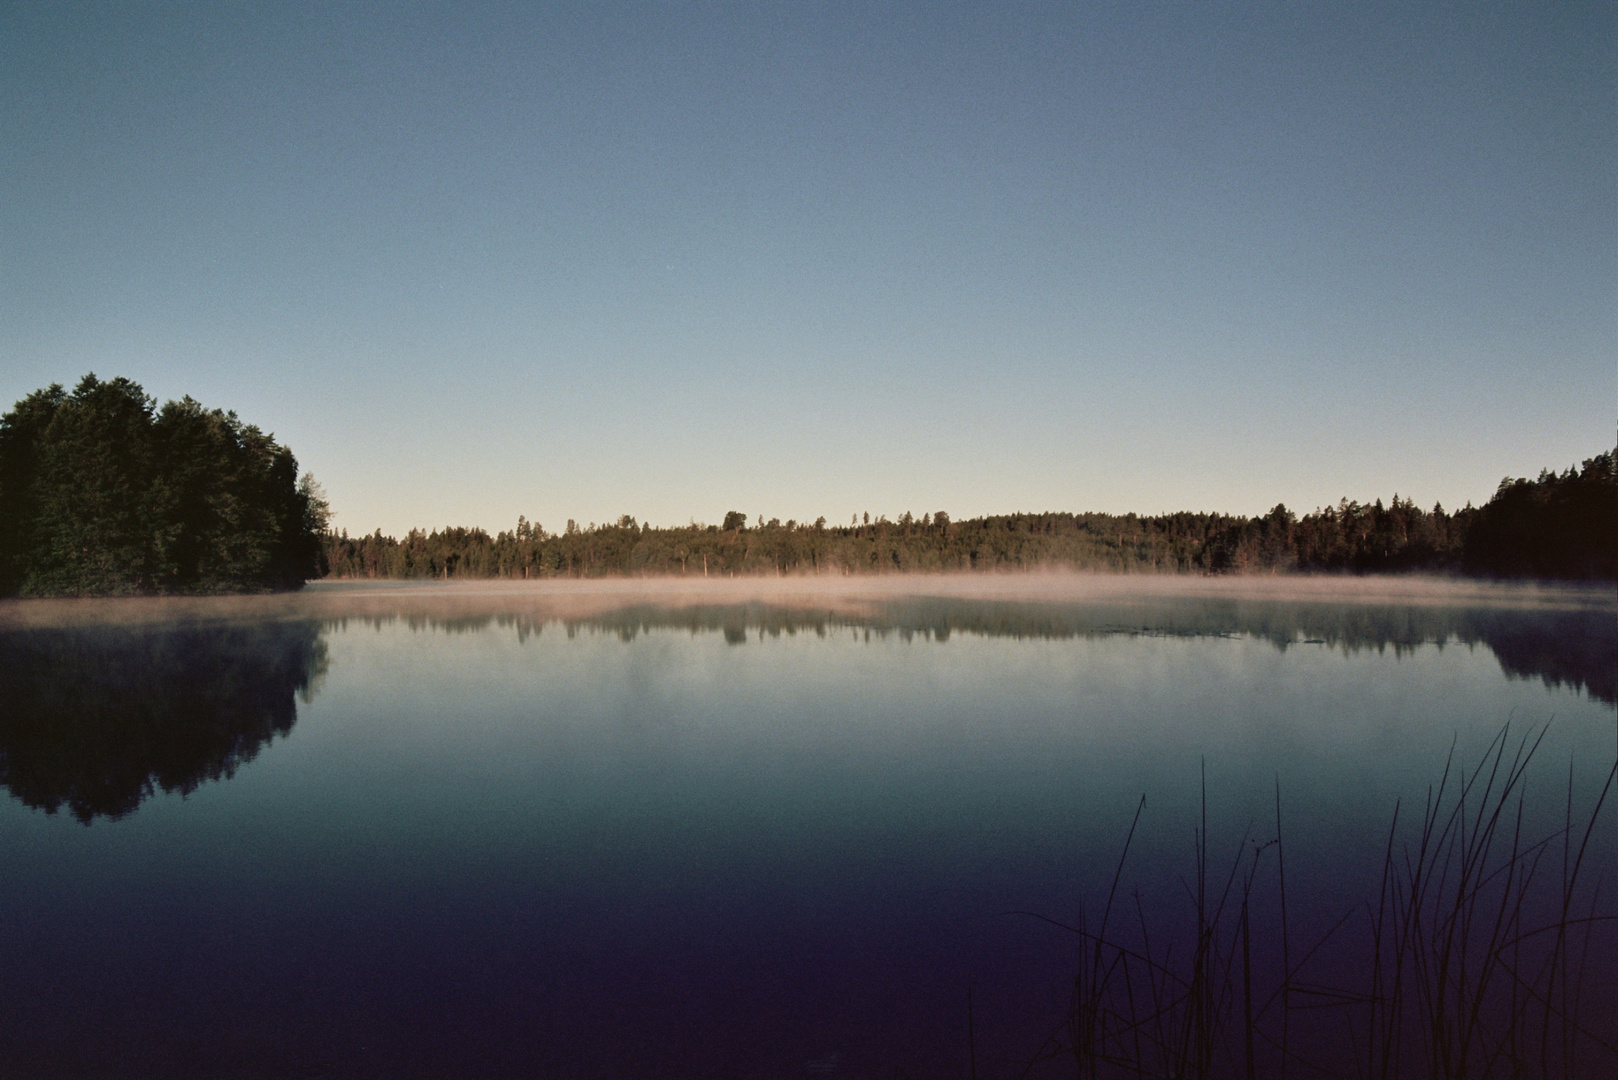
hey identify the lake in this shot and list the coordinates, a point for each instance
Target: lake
(808, 828)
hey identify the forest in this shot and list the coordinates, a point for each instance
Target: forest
(103, 493)
(1558, 526)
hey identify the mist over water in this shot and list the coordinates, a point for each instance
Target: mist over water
(762, 829)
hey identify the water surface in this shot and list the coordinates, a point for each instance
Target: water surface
(610, 831)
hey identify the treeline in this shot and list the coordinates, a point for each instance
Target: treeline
(1558, 526)
(103, 493)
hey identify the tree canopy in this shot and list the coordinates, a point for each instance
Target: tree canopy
(1559, 526)
(103, 493)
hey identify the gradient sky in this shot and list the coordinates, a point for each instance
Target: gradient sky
(472, 261)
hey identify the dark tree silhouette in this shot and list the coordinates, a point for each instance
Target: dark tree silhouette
(1554, 527)
(1557, 527)
(103, 494)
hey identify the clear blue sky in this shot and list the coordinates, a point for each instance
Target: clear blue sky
(573, 261)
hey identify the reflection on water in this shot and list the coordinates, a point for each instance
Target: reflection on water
(739, 838)
(98, 718)
(1573, 647)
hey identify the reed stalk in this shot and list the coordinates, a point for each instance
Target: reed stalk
(1473, 959)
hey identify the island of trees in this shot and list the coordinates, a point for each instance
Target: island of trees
(1558, 526)
(104, 493)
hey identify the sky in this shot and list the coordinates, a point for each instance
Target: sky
(476, 260)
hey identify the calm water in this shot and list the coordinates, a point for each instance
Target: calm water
(399, 832)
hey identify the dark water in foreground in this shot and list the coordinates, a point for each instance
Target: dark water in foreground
(728, 840)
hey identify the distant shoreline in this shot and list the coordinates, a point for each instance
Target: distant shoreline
(1559, 526)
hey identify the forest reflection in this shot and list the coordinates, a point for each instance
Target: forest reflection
(1575, 647)
(98, 718)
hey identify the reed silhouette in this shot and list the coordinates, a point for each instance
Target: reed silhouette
(1485, 952)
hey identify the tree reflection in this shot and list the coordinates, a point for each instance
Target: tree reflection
(99, 718)
(1573, 647)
